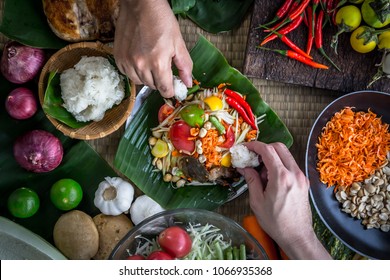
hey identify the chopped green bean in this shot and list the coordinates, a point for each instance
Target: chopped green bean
(242, 252)
(218, 251)
(218, 125)
(236, 253)
(229, 253)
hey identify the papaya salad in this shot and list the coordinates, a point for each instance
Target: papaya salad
(191, 143)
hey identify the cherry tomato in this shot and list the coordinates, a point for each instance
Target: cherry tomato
(159, 255)
(363, 40)
(175, 241)
(376, 17)
(23, 203)
(135, 257)
(164, 111)
(179, 133)
(193, 115)
(215, 103)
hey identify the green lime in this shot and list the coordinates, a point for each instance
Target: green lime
(66, 194)
(23, 203)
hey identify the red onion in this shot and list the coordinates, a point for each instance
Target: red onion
(38, 151)
(19, 63)
(21, 103)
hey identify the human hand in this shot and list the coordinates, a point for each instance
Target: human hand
(279, 198)
(147, 41)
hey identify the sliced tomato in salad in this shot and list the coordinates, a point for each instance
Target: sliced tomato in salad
(180, 136)
(229, 138)
(164, 111)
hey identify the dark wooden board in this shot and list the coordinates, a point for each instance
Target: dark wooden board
(356, 69)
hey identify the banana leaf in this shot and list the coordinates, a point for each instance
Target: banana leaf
(134, 159)
(213, 16)
(80, 163)
(24, 21)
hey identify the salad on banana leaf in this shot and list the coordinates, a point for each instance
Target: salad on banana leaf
(191, 144)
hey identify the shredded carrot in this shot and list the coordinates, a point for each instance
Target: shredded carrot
(251, 135)
(194, 131)
(351, 147)
(209, 142)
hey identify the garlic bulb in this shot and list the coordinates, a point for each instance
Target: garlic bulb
(114, 196)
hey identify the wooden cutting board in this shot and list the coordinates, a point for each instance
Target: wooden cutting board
(356, 69)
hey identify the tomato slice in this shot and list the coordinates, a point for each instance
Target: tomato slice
(180, 136)
(229, 138)
(164, 111)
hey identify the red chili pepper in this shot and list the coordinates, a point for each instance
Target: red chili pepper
(229, 138)
(291, 44)
(311, 23)
(287, 29)
(298, 57)
(240, 109)
(282, 11)
(292, 8)
(318, 38)
(313, 13)
(298, 11)
(242, 102)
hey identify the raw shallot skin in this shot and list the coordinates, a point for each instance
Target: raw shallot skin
(21, 103)
(38, 151)
(19, 63)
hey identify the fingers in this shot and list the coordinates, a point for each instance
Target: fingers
(253, 180)
(275, 155)
(184, 64)
(267, 153)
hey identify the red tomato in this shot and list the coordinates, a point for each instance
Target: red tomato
(176, 241)
(159, 255)
(179, 134)
(229, 138)
(135, 257)
(164, 111)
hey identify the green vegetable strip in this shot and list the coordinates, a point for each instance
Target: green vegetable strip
(229, 253)
(218, 125)
(236, 253)
(242, 252)
(218, 251)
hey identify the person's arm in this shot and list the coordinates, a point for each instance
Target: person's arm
(147, 41)
(280, 200)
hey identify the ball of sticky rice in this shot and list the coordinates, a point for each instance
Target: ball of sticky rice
(90, 88)
(179, 89)
(242, 157)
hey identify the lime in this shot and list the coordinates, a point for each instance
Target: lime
(23, 203)
(66, 194)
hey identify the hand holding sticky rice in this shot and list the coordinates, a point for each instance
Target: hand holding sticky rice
(242, 157)
(281, 202)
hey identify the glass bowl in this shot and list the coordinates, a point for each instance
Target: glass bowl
(152, 226)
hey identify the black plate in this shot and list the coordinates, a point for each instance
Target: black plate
(372, 243)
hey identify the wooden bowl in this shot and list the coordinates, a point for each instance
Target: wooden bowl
(113, 119)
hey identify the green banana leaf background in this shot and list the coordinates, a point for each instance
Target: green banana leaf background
(213, 16)
(80, 163)
(133, 157)
(24, 21)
